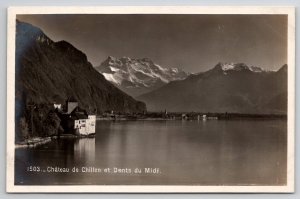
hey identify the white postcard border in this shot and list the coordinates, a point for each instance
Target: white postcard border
(11, 27)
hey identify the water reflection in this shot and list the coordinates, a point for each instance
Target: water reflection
(187, 153)
(84, 150)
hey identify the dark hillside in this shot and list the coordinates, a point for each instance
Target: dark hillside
(49, 72)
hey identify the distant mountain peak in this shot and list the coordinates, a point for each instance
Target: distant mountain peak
(283, 68)
(136, 76)
(256, 69)
(227, 67)
(227, 87)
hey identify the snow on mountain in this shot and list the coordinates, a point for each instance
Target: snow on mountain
(224, 88)
(229, 67)
(256, 69)
(138, 76)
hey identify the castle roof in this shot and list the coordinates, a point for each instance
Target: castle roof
(72, 99)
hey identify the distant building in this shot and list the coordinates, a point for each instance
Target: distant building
(57, 106)
(91, 124)
(76, 120)
(109, 114)
(184, 117)
(84, 124)
(71, 104)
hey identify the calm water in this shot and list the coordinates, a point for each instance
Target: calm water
(248, 152)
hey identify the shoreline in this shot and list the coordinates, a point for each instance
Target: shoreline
(179, 119)
(33, 142)
(37, 141)
(196, 116)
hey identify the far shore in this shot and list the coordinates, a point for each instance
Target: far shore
(36, 141)
(188, 116)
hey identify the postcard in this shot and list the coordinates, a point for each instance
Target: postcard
(159, 99)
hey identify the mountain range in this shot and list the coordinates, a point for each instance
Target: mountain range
(138, 76)
(235, 88)
(48, 72)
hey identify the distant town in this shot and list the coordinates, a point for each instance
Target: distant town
(164, 115)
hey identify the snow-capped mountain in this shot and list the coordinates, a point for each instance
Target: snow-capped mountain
(138, 76)
(224, 88)
(227, 67)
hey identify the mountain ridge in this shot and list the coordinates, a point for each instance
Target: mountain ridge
(48, 71)
(237, 89)
(138, 76)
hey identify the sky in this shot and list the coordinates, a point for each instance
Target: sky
(193, 43)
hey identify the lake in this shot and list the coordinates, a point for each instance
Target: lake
(212, 152)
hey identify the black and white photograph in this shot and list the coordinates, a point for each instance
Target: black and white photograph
(158, 99)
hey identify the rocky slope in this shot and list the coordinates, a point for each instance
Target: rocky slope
(225, 88)
(138, 76)
(48, 72)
